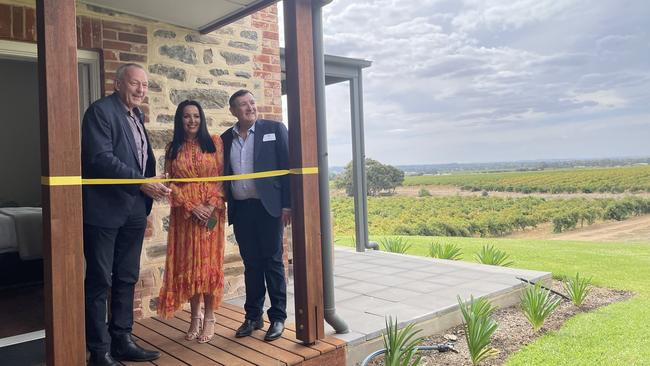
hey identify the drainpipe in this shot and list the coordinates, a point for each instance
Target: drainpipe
(331, 317)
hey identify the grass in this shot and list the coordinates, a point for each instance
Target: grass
(614, 335)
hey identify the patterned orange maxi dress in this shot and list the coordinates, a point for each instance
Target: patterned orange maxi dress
(194, 252)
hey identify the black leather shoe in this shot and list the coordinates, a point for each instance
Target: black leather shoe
(248, 326)
(275, 331)
(102, 359)
(124, 349)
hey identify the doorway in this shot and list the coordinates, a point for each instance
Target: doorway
(21, 254)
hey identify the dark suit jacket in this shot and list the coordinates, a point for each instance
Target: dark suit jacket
(268, 155)
(108, 150)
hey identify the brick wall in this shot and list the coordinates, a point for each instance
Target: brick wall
(181, 65)
(267, 63)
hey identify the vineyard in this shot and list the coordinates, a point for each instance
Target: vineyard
(480, 216)
(631, 179)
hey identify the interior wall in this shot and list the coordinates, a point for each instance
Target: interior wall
(20, 159)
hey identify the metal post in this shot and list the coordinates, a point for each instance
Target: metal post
(358, 164)
(329, 303)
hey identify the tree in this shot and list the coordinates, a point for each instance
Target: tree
(381, 178)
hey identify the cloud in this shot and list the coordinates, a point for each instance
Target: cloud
(474, 80)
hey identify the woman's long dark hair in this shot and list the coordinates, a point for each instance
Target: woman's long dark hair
(203, 137)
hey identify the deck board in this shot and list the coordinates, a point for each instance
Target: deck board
(290, 329)
(164, 360)
(206, 350)
(171, 347)
(288, 334)
(168, 336)
(283, 342)
(221, 341)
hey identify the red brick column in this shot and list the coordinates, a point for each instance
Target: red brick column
(267, 67)
(267, 64)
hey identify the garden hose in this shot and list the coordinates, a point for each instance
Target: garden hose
(440, 347)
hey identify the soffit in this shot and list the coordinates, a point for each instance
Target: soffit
(200, 15)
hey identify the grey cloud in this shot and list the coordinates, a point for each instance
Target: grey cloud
(443, 69)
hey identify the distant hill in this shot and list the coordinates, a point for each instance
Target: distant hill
(505, 166)
(520, 165)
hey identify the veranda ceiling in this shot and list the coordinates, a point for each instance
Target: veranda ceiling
(202, 15)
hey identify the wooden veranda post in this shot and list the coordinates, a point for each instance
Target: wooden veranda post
(61, 157)
(301, 103)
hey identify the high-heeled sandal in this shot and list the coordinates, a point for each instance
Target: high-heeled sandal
(195, 328)
(208, 330)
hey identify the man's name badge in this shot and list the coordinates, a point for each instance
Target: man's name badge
(268, 137)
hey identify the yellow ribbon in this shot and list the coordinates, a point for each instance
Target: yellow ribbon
(76, 180)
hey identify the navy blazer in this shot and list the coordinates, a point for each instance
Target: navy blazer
(108, 150)
(268, 155)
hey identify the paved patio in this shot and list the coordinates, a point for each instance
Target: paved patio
(375, 284)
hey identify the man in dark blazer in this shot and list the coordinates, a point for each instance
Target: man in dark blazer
(114, 144)
(258, 209)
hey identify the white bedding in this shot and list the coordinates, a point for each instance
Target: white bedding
(8, 242)
(28, 231)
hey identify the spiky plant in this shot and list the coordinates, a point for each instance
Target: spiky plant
(577, 288)
(492, 256)
(396, 244)
(445, 251)
(479, 328)
(401, 344)
(537, 304)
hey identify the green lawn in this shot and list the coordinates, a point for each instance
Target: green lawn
(614, 335)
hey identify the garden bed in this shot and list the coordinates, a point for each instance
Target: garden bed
(514, 331)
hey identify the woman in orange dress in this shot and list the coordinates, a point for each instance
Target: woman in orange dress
(195, 241)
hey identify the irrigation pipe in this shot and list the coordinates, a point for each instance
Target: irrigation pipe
(544, 287)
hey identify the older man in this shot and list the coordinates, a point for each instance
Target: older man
(114, 144)
(258, 209)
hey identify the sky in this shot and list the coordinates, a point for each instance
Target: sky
(484, 81)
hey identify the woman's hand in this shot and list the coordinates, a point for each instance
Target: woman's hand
(202, 213)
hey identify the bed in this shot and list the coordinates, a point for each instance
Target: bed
(21, 230)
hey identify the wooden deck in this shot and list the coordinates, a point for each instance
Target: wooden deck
(167, 336)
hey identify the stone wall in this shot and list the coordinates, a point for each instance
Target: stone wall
(182, 64)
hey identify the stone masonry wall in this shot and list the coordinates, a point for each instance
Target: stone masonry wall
(181, 64)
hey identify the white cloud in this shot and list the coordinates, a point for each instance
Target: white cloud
(604, 99)
(474, 80)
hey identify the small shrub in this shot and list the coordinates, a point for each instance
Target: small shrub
(401, 345)
(492, 256)
(424, 192)
(395, 244)
(577, 288)
(445, 251)
(479, 328)
(537, 304)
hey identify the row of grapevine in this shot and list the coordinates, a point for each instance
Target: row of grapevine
(480, 216)
(633, 179)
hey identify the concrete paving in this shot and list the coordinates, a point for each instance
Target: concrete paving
(372, 285)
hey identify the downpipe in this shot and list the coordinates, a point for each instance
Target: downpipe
(329, 306)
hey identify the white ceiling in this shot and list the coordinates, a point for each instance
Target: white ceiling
(193, 14)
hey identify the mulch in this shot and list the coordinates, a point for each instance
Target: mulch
(514, 331)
